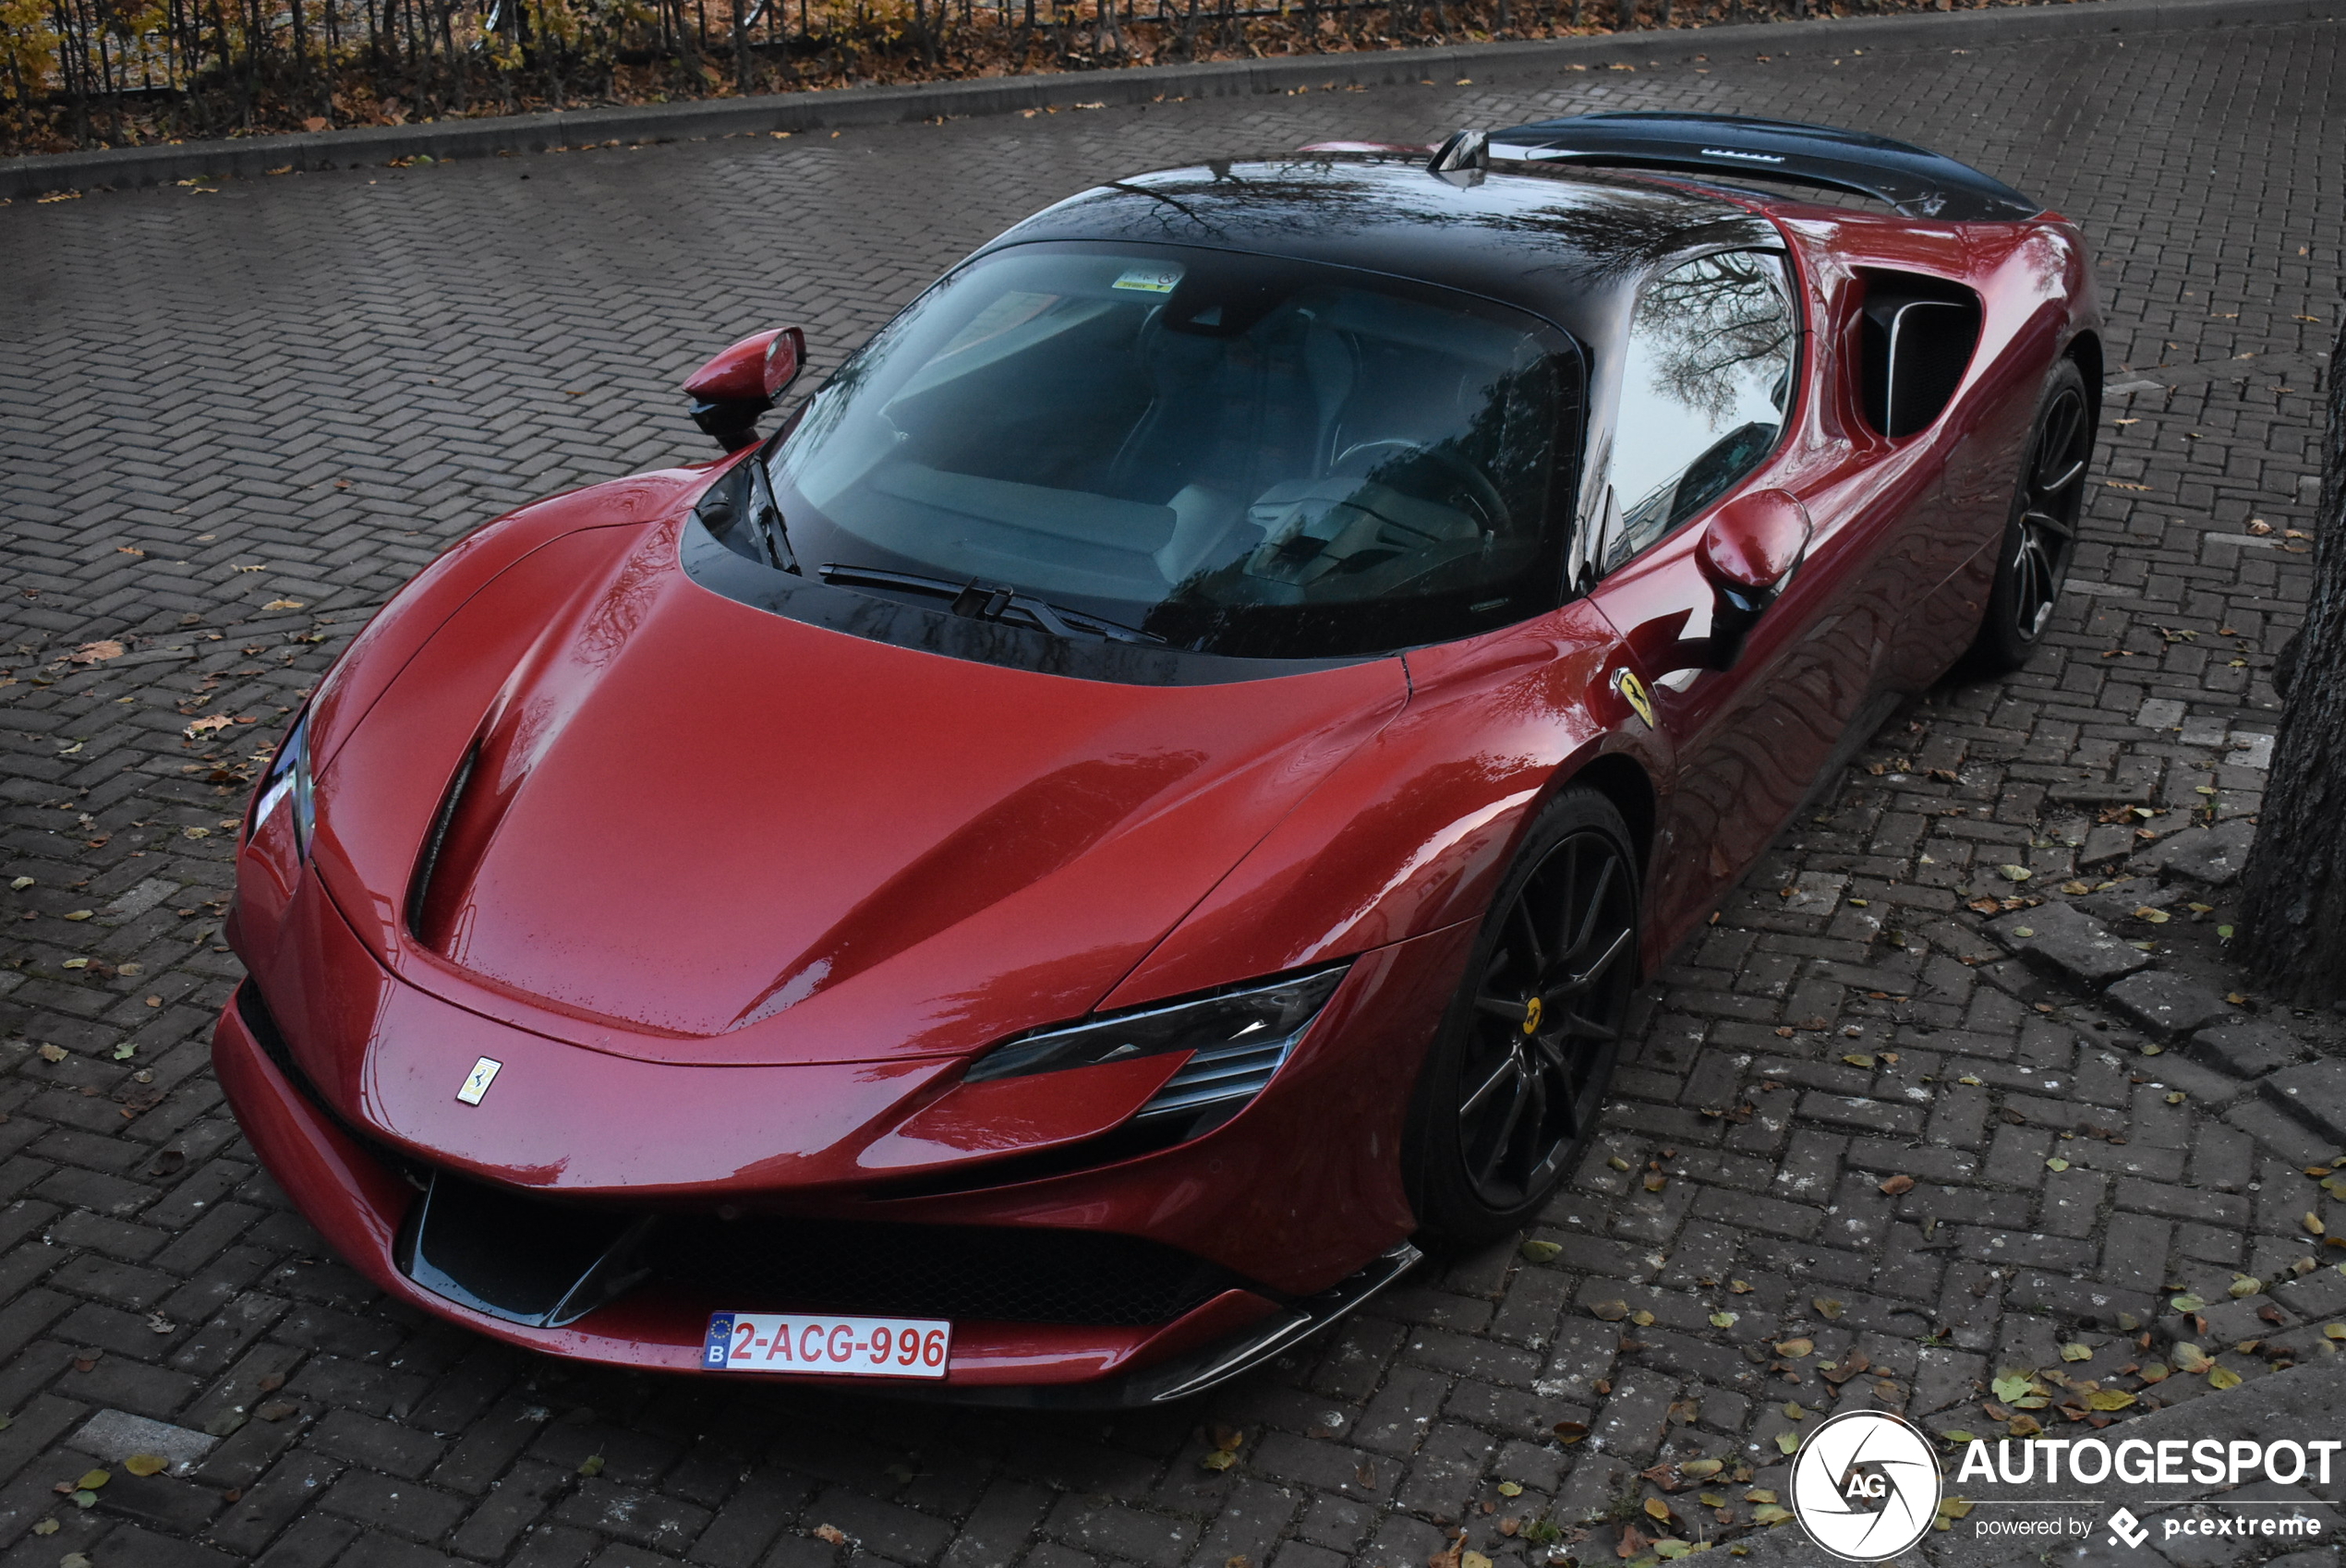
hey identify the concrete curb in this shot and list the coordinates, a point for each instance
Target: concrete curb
(114, 168)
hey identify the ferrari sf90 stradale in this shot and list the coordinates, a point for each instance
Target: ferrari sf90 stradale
(1146, 799)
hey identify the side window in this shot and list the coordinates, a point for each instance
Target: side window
(1705, 386)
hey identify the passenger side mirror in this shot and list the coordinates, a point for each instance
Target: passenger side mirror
(732, 390)
(1748, 553)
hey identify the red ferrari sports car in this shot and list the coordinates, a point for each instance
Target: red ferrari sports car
(1146, 799)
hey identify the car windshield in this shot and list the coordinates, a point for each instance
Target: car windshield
(1212, 452)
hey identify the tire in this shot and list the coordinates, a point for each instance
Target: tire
(1511, 1089)
(2040, 537)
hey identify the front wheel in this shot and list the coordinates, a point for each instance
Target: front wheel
(1512, 1088)
(2041, 537)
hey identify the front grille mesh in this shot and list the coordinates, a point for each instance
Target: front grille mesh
(995, 1273)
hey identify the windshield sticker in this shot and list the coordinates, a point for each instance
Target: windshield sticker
(1150, 279)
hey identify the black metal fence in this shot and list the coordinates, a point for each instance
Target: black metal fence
(87, 73)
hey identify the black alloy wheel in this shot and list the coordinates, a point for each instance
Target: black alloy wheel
(2041, 537)
(1515, 1085)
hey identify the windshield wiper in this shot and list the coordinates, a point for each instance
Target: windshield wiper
(721, 509)
(981, 603)
(766, 516)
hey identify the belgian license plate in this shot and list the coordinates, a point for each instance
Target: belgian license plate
(854, 1347)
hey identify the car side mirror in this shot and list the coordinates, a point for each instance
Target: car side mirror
(1748, 553)
(732, 390)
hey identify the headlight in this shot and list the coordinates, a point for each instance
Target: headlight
(1237, 1040)
(288, 785)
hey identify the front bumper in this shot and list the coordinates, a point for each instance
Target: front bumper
(1237, 1200)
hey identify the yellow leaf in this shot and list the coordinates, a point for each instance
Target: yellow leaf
(1954, 1507)
(1794, 1349)
(2077, 1352)
(282, 604)
(2243, 1286)
(1611, 1311)
(1671, 1549)
(146, 1463)
(1789, 1442)
(1792, 1411)
(2056, 1163)
(1827, 1306)
(1656, 1509)
(2222, 1377)
(591, 1466)
(1218, 1459)
(1770, 1514)
(2024, 1426)
(2109, 1399)
(1540, 1251)
(46, 1527)
(1570, 1431)
(92, 1479)
(2314, 1223)
(2334, 1331)
(1510, 1489)
(1700, 1469)
(1473, 1559)
(1722, 1320)
(1643, 1318)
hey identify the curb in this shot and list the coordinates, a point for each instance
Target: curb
(116, 168)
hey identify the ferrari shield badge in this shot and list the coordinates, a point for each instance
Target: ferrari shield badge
(1633, 690)
(477, 1082)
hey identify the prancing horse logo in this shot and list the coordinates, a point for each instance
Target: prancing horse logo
(477, 1082)
(1633, 690)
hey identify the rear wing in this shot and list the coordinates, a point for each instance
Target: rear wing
(1919, 183)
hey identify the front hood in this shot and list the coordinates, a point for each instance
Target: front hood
(739, 838)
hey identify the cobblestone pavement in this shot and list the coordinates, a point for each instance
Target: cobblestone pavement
(233, 421)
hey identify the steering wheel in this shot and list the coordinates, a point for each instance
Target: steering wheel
(1478, 484)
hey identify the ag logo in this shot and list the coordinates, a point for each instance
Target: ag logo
(1866, 1486)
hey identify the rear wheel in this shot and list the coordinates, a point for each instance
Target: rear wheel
(1511, 1089)
(2041, 537)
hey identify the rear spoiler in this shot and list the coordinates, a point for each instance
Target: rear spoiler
(1919, 183)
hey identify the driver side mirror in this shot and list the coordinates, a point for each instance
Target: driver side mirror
(732, 390)
(1748, 553)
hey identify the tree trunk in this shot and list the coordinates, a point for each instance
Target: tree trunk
(2293, 925)
(1629, 17)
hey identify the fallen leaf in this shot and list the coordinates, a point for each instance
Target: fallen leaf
(203, 726)
(1858, 1059)
(1770, 1512)
(46, 1527)
(1611, 1311)
(282, 604)
(2314, 1223)
(2334, 1331)
(1794, 1349)
(2015, 873)
(146, 1463)
(1656, 1509)
(1898, 1186)
(831, 1533)
(278, 1409)
(2011, 1386)
(1722, 1320)
(92, 1479)
(1570, 1431)
(1957, 1434)
(2056, 1163)
(1643, 1318)
(1656, 1183)
(2221, 1377)
(1701, 1469)
(96, 652)
(2186, 1303)
(1788, 1442)
(1218, 1459)
(1510, 1489)
(80, 914)
(169, 1162)
(1633, 1542)
(591, 1466)
(2024, 1426)
(1669, 1548)
(1615, 1160)
(2109, 1399)
(1365, 1475)
(2077, 1352)
(1827, 1306)
(53, 1053)
(2244, 1288)
(1542, 1251)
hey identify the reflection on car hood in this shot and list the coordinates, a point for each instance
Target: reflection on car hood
(692, 815)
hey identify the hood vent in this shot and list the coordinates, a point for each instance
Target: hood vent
(430, 924)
